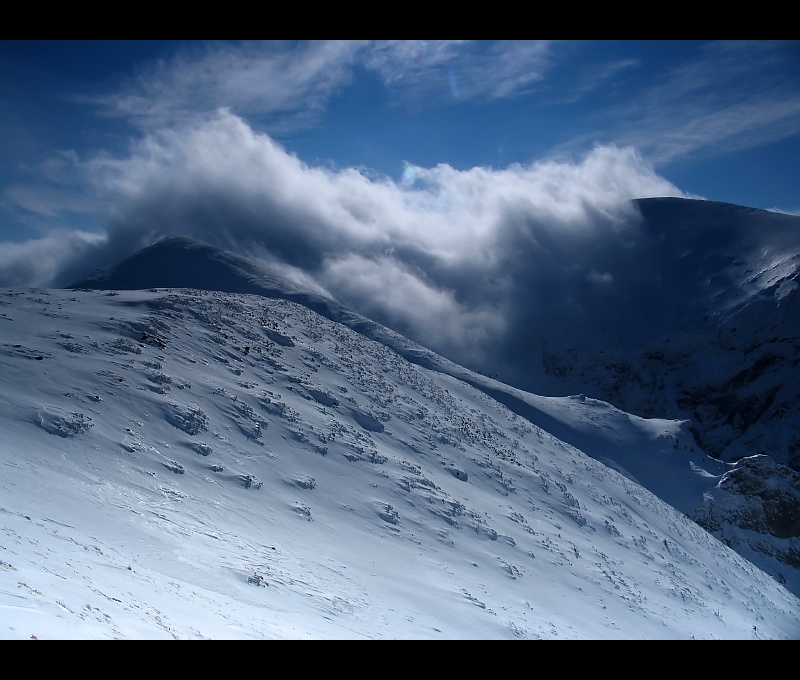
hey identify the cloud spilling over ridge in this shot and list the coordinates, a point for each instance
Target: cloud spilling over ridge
(33, 263)
(457, 257)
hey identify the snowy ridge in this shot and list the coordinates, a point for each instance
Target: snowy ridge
(194, 464)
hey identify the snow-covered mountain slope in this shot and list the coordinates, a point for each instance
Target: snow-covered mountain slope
(195, 464)
(694, 315)
(752, 505)
(698, 360)
(737, 379)
(184, 262)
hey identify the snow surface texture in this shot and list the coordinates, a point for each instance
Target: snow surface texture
(191, 464)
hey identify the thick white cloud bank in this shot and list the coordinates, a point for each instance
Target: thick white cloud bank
(451, 254)
(34, 262)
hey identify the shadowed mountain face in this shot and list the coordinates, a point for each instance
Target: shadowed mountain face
(183, 262)
(711, 259)
(724, 352)
(685, 266)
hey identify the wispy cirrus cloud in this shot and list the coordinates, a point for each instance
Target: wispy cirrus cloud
(459, 69)
(288, 84)
(733, 95)
(264, 79)
(698, 106)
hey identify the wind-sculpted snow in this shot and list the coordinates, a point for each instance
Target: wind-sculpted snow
(57, 421)
(210, 479)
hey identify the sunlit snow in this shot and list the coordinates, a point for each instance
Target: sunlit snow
(186, 464)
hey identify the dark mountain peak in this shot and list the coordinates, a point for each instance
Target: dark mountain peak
(185, 262)
(686, 218)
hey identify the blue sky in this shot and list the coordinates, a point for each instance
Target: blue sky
(442, 148)
(719, 120)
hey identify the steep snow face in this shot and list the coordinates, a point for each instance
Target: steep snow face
(193, 464)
